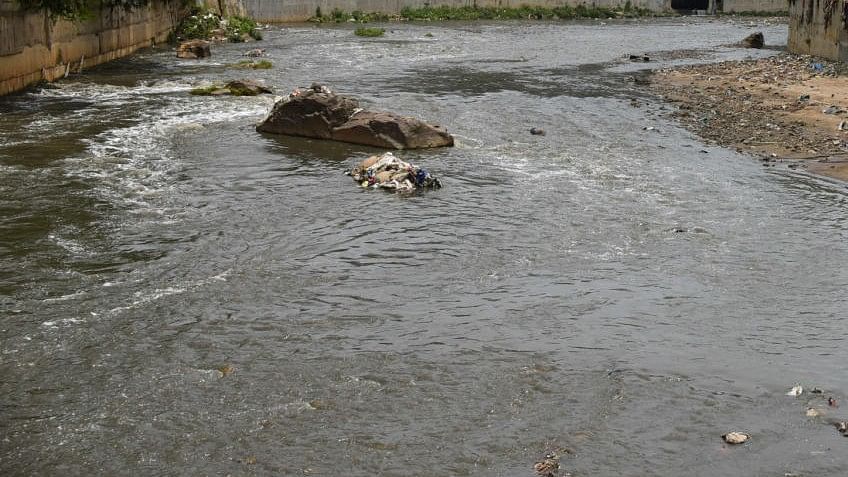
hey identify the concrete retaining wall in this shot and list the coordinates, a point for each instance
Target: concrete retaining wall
(34, 48)
(301, 10)
(730, 6)
(225, 8)
(819, 28)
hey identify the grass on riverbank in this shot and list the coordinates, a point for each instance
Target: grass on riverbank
(255, 65)
(369, 32)
(444, 13)
(565, 12)
(206, 90)
(754, 13)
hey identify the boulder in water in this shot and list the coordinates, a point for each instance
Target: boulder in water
(311, 113)
(754, 40)
(244, 87)
(194, 49)
(247, 88)
(319, 113)
(391, 131)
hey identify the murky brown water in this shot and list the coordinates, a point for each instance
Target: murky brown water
(629, 294)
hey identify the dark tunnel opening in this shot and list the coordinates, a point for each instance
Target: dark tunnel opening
(690, 4)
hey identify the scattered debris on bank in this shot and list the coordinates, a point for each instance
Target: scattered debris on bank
(207, 25)
(317, 112)
(388, 172)
(197, 31)
(790, 109)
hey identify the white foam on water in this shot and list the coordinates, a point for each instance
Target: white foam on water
(69, 244)
(101, 93)
(141, 298)
(63, 322)
(67, 297)
(135, 165)
(144, 298)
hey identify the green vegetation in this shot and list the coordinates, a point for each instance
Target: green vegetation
(203, 24)
(370, 32)
(256, 65)
(340, 16)
(520, 13)
(239, 27)
(240, 90)
(199, 25)
(756, 13)
(205, 90)
(77, 9)
(443, 13)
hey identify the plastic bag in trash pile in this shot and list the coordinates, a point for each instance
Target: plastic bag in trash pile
(388, 172)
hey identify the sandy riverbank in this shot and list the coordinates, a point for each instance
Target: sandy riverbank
(784, 108)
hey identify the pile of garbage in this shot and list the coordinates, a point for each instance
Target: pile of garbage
(386, 171)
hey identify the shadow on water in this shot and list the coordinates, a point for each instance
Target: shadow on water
(308, 150)
(583, 81)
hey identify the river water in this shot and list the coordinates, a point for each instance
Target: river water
(184, 296)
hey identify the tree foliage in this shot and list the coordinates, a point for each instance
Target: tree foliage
(77, 9)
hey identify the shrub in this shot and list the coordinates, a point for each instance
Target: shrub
(369, 32)
(256, 65)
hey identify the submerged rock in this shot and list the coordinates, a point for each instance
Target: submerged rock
(247, 88)
(754, 40)
(548, 466)
(194, 49)
(319, 113)
(255, 53)
(388, 172)
(235, 88)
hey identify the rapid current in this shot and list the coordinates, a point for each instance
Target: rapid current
(181, 295)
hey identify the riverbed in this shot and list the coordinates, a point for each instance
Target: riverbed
(182, 295)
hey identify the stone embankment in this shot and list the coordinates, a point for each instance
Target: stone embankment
(34, 47)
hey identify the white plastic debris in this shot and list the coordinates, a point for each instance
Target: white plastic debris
(736, 437)
(796, 390)
(388, 172)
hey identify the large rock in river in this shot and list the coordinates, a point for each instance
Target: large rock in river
(194, 49)
(319, 113)
(390, 131)
(754, 40)
(309, 114)
(247, 87)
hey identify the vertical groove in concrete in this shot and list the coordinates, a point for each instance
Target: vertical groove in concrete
(811, 32)
(34, 48)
